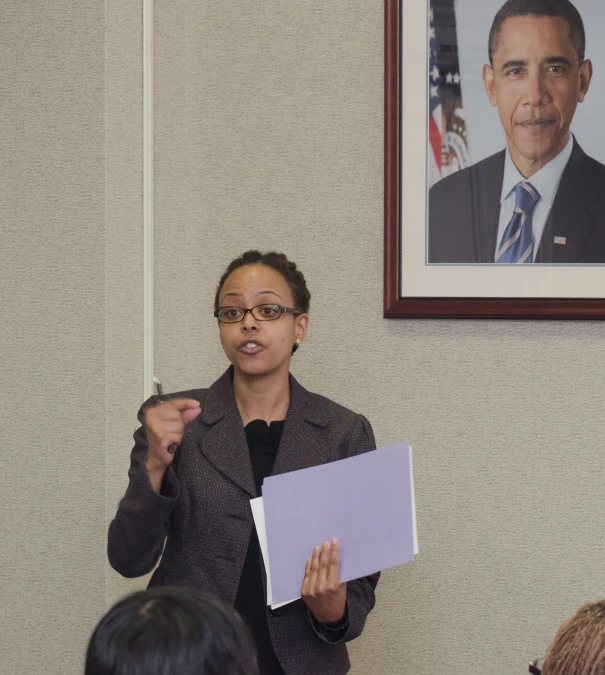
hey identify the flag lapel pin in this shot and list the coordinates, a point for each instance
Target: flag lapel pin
(561, 240)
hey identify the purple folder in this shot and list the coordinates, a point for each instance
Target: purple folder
(366, 501)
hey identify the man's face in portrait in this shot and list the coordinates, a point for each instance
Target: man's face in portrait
(536, 81)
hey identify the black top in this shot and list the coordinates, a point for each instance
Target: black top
(250, 602)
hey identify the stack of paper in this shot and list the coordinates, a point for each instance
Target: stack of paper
(366, 501)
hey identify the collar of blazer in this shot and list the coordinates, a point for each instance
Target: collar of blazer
(303, 444)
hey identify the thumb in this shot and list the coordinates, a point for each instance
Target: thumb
(190, 414)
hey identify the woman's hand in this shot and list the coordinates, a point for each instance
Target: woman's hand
(322, 591)
(165, 424)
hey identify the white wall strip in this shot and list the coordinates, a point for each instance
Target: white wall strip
(148, 323)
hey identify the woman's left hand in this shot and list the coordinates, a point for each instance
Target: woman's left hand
(322, 591)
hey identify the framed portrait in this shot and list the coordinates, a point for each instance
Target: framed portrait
(494, 159)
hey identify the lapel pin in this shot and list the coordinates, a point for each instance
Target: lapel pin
(561, 240)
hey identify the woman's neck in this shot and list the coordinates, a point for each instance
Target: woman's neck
(262, 398)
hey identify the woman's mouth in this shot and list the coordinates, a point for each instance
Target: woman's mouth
(250, 347)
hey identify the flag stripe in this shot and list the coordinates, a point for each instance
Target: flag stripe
(435, 140)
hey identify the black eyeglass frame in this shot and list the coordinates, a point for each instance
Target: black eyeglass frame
(535, 667)
(280, 308)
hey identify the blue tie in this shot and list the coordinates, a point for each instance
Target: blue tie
(517, 245)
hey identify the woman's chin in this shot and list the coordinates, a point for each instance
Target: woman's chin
(256, 367)
(251, 365)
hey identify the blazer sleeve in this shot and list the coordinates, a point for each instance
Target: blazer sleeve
(360, 592)
(138, 531)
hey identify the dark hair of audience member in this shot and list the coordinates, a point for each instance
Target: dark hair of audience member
(579, 645)
(171, 631)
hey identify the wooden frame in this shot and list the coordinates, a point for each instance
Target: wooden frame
(396, 306)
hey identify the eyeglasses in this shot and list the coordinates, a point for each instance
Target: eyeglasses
(260, 313)
(535, 667)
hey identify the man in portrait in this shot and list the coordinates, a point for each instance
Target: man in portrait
(542, 198)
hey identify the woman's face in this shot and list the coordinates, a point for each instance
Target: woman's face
(259, 347)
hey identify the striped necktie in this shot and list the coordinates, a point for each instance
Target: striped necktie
(517, 245)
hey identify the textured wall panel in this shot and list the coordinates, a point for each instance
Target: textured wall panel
(52, 332)
(269, 132)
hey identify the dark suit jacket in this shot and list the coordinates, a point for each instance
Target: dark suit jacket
(203, 512)
(464, 211)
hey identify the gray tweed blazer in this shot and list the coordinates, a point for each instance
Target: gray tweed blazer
(203, 512)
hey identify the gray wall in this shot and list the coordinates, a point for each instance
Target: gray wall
(269, 133)
(71, 328)
(52, 332)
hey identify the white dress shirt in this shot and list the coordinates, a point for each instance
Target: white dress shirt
(546, 181)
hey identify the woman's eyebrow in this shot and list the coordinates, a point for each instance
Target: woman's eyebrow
(238, 295)
(269, 293)
(231, 294)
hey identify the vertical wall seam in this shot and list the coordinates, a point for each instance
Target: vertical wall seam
(148, 318)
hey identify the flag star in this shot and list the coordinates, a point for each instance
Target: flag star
(435, 73)
(432, 32)
(456, 78)
(449, 78)
(434, 91)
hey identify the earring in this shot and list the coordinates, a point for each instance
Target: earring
(297, 342)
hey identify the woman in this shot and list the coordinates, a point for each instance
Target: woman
(170, 631)
(579, 645)
(201, 455)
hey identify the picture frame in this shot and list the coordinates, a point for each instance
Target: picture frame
(407, 86)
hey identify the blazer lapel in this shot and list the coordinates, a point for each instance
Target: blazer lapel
(225, 445)
(570, 220)
(303, 442)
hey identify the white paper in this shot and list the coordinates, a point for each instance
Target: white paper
(414, 528)
(258, 513)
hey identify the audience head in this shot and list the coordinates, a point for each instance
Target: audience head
(579, 645)
(170, 631)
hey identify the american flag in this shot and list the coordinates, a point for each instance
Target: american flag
(435, 108)
(448, 148)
